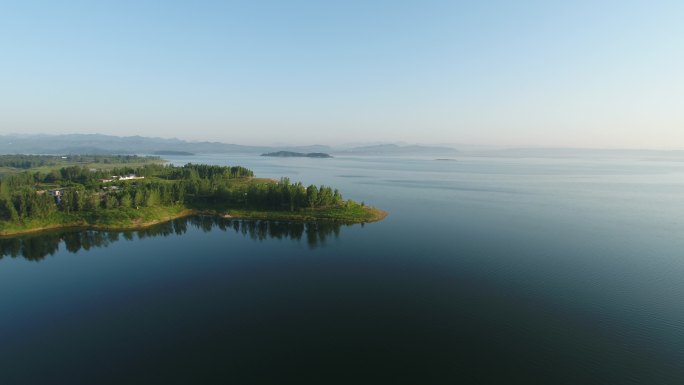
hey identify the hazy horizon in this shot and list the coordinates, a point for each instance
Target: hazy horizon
(526, 74)
(359, 144)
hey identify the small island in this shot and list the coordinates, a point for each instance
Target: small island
(291, 154)
(120, 196)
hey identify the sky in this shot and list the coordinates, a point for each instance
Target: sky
(601, 74)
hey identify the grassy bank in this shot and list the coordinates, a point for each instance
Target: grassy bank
(131, 219)
(341, 214)
(113, 219)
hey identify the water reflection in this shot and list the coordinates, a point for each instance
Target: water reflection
(36, 247)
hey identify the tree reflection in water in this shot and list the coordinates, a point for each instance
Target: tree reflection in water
(35, 247)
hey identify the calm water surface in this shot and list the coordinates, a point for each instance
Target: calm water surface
(492, 271)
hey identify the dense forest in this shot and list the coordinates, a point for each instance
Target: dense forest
(33, 161)
(77, 189)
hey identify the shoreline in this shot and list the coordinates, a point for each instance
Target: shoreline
(375, 215)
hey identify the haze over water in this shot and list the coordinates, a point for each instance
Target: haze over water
(487, 270)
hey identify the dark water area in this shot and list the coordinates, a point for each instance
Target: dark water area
(487, 271)
(37, 246)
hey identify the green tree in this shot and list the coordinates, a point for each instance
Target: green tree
(152, 198)
(7, 210)
(125, 200)
(110, 202)
(138, 198)
(312, 195)
(92, 201)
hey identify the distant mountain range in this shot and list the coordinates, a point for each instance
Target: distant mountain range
(98, 144)
(109, 144)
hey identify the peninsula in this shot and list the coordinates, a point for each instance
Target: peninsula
(291, 154)
(124, 197)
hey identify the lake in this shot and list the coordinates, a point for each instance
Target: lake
(486, 271)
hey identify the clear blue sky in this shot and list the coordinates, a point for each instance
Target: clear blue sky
(559, 73)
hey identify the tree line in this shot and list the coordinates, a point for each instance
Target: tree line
(32, 161)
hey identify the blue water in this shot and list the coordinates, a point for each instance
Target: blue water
(487, 270)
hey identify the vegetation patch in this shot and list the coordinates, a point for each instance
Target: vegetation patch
(125, 197)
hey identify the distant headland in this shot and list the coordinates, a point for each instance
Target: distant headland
(292, 154)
